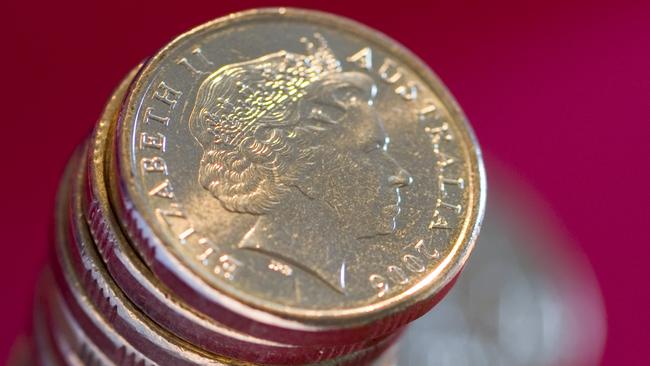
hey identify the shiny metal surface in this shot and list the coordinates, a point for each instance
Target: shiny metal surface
(152, 297)
(70, 341)
(294, 171)
(278, 186)
(45, 355)
(111, 322)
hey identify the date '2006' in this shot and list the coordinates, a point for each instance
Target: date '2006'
(412, 263)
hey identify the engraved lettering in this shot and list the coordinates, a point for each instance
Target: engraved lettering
(183, 61)
(390, 72)
(363, 58)
(185, 234)
(437, 134)
(203, 257)
(379, 283)
(397, 275)
(437, 130)
(198, 55)
(227, 266)
(154, 141)
(438, 221)
(154, 165)
(427, 253)
(173, 211)
(149, 116)
(459, 182)
(456, 208)
(163, 190)
(413, 263)
(408, 92)
(429, 109)
(167, 95)
(445, 160)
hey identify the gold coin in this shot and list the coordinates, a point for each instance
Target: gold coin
(297, 175)
(154, 299)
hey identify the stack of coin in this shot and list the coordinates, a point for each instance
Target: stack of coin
(275, 187)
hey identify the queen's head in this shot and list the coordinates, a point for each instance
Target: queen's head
(296, 124)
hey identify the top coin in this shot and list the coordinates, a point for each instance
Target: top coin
(294, 164)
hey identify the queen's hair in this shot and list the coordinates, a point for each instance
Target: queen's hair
(255, 121)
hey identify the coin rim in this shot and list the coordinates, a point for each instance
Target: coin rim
(424, 289)
(73, 235)
(69, 217)
(112, 247)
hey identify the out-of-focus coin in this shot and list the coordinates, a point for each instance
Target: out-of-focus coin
(45, 355)
(109, 320)
(160, 304)
(22, 352)
(528, 297)
(365, 357)
(297, 176)
(99, 326)
(70, 342)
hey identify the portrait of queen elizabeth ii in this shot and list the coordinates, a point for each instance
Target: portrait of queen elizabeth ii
(297, 142)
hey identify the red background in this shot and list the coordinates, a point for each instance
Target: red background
(558, 90)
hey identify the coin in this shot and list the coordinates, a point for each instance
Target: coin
(78, 348)
(526, 298)
(94, 324)
(297, 176)
(46, 355)
(109, 320)
(22, 352)
(75, 347)
(160, 304)
(69, 341)
(368, 356)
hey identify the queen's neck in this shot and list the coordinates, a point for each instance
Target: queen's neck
(306, 233)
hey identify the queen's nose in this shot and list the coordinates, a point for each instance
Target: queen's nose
(401, 179)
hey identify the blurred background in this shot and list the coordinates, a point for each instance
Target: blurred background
(558, 93)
